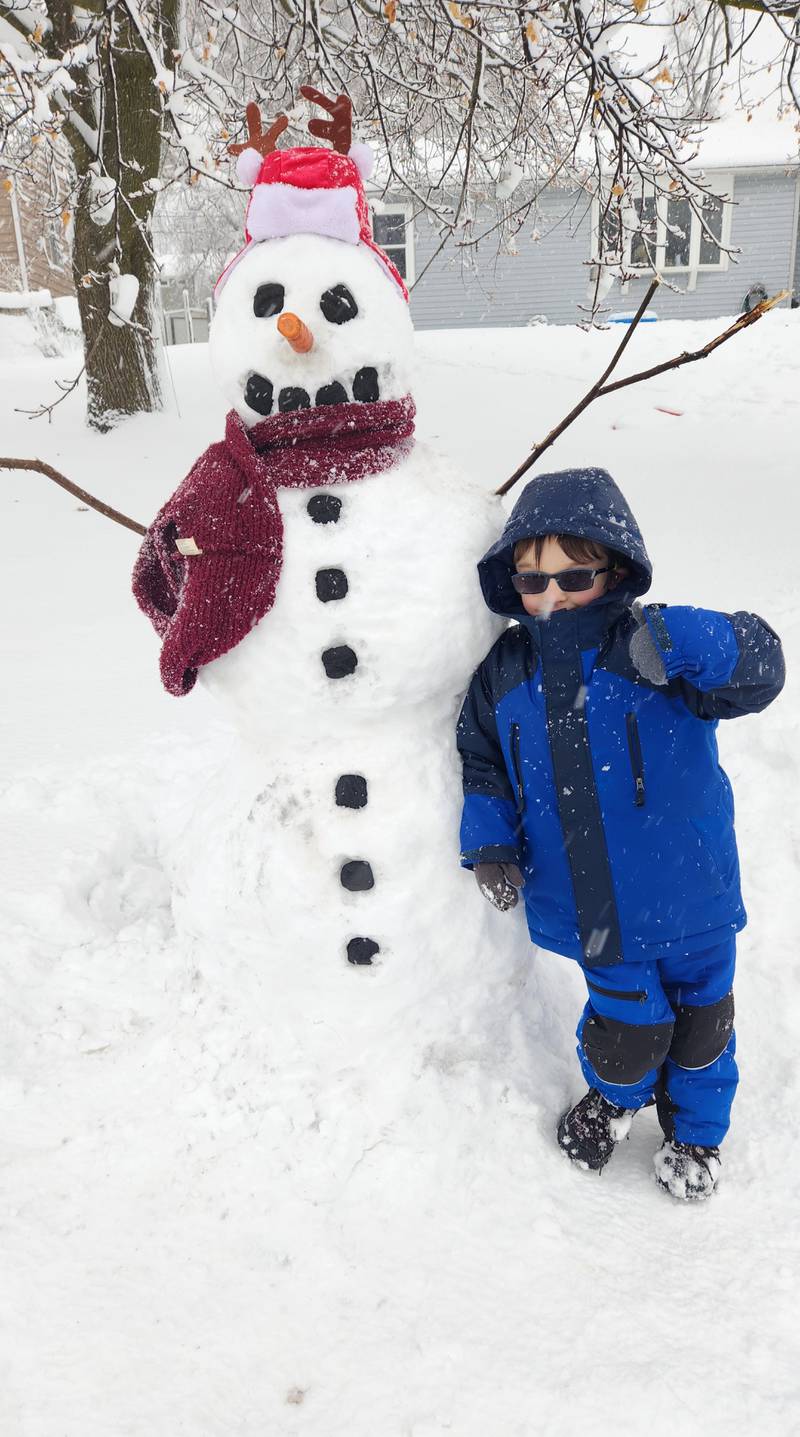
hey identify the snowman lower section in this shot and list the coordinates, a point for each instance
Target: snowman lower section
(341, 827)
(269, 857)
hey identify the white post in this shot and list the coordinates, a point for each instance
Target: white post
(23, 268)
(188, 317)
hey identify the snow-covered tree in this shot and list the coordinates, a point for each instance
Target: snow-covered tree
(118, 82)
(469, 105)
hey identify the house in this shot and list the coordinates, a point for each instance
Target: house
(550, 275)
(749, 245)
(34, 235)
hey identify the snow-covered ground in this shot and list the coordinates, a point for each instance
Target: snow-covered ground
(280, 1199)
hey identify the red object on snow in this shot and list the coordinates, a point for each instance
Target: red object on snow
(205, 601)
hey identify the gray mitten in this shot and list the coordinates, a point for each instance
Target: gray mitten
(499, 883)
(644, 651)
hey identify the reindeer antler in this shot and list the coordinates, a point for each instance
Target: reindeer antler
(256, 138)
(339, 128)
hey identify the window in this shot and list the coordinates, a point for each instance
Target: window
(713, 220)
(52, 240)
(661, 232)
(643, 240)
(678, 226)
(394, 232)
(611, 232)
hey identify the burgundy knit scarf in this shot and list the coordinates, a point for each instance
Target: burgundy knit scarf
(203, 603)
(330, 444)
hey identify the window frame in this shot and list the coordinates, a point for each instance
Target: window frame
(397, 207)
(719, 184)
(51, 240)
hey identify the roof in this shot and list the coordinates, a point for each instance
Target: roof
(762, 141)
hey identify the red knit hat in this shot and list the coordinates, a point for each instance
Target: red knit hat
(307, 190)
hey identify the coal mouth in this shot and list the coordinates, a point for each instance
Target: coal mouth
(259, 393)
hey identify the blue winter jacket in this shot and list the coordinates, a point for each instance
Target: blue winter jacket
(604, 785)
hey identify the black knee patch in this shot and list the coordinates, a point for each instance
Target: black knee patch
(702, 1034)
(624, 1052)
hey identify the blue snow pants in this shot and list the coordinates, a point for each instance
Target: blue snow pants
(662, 1030)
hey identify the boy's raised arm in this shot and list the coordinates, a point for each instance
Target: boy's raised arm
(726, 664)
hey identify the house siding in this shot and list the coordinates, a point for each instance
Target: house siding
(9, 261)
(42, 191)
(550, 277)
(796, 277)
(546, 277)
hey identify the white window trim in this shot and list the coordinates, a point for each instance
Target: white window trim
(389, 207)
(718, 184)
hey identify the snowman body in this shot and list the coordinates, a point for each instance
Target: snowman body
(335, 819)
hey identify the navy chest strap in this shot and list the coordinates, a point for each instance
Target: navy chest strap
(578, 803)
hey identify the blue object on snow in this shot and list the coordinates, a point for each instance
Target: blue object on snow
(647, 318)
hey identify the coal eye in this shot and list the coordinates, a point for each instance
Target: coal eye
(338, 305)
(268, 300)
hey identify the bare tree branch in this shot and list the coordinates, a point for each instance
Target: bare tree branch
(47, 469)
(601, 388)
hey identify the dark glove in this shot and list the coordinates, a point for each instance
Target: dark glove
(499, 883)
(644, 651)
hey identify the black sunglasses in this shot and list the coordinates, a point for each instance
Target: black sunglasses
(571, 581)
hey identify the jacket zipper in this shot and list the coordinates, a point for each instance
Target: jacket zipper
(516, 764)
(637, 762)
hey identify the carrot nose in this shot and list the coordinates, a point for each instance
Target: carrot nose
(296, 333)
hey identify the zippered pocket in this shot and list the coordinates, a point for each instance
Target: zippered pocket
(637, 762)
(516, 764)
(634, 996)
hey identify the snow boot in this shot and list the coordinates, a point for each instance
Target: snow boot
(590, 1130)
(687, 1171)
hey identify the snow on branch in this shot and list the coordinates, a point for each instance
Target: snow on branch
(474, 106)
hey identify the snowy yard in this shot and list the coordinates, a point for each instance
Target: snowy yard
(280, 1200)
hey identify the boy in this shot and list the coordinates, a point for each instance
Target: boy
(592, 782)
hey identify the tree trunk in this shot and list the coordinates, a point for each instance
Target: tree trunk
(122, 360)
(115, 104)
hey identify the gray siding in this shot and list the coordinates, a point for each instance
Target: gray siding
(550, 276)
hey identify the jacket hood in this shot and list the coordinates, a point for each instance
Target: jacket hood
(584, 502)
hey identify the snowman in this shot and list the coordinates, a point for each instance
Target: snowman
(317, 570)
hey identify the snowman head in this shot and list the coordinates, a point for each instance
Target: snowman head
(310, 312)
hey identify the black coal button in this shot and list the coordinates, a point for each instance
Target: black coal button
(258, 394)
(339, 662)
(362, 950)
(357, 876)
(332, 393)
(365, 386)
(331, 584)
(292, 398)
(351, 791)
(324, 508)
